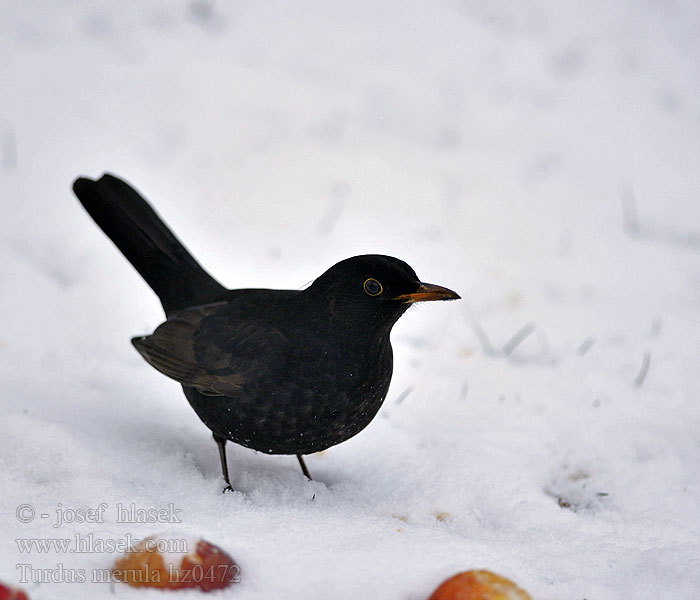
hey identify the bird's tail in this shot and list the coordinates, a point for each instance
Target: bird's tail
(154, 251)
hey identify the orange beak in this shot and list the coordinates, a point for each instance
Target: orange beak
(429, 291)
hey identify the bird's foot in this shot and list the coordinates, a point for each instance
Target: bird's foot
(302, 464)
(228, 488)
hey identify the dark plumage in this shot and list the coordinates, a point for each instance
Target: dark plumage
(279, 371)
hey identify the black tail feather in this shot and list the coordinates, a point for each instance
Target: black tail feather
(154, 251)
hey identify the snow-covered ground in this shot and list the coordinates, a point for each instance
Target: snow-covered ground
(541, 158)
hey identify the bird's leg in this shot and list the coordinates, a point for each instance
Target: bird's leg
(300, 458)
(221, 443)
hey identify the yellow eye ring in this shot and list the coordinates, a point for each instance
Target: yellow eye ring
(372, 287)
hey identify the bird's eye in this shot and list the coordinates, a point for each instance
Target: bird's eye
(373, 287)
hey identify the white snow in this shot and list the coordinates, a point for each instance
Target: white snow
(541, 158)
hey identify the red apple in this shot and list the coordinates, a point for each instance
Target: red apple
(10, 593)
(479, 585)
(192, 564)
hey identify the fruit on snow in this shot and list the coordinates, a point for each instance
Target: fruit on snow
(9, 593)
(479, 585)
(192, 564)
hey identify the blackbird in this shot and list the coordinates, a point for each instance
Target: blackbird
(279, 371)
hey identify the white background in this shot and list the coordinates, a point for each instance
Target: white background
(541, 158)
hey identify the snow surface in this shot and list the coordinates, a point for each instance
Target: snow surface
(541, 158)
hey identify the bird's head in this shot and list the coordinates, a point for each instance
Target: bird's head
(372, 289)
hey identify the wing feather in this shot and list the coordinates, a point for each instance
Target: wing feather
(219, 367)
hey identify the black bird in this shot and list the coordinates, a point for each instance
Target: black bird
(279, 371)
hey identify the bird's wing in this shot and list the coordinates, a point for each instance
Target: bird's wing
(204, 348)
